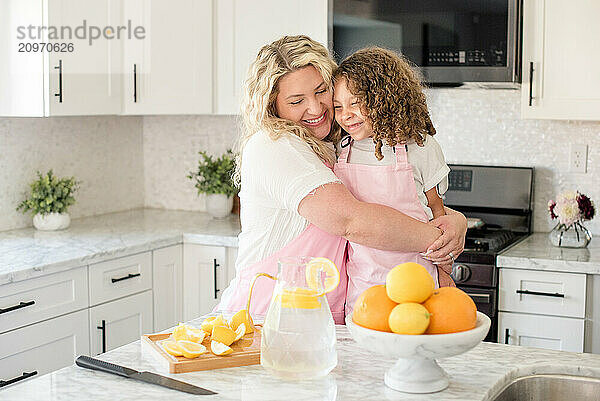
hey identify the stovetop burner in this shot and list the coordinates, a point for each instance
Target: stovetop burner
(486, 240)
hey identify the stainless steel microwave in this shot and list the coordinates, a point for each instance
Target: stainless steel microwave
(451, 41)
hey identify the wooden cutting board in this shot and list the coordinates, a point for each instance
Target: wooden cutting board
(246, 351)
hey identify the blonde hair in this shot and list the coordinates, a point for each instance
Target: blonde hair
(288, 54)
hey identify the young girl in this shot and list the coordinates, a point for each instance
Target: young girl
(390, 156)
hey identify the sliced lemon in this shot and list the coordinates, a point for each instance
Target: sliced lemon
(208, 323)
(239, 333)
(172, 348)
(180, 332)
(223, 335)
(218, 348)
(240, 317)
(195, 335)
(313, 274)
(190, 349)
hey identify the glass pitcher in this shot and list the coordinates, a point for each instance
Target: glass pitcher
(298, 334)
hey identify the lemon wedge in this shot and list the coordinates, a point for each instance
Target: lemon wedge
(180, 332)
(171, 348)
(206, 325)
(190, 349)
(240, 317)
(313, 274)
(195, 335)
(223, 335)
(220, 349)
(239, 333)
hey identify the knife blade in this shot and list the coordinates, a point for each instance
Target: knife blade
(87, 362)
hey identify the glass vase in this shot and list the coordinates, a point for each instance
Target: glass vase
(573, 236)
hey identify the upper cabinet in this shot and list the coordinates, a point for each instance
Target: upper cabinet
(52, 63)
(170, 71)
(243, 27)
(561, 60)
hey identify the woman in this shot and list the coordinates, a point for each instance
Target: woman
(291, 202)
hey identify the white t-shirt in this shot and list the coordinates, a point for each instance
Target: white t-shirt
(276, 176)
(429, 166)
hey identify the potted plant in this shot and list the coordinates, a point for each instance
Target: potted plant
(48, 201)
(214, 178)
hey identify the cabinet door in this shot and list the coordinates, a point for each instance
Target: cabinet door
(167, 272)
(43, 347)
(204, 276)
(243, 27)
(120, 322)
(170, 70)
(86, 80)
(232, 254)
(549, 332)
(21, 72)
(561, 44)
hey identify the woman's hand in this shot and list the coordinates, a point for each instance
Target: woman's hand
(452, 240)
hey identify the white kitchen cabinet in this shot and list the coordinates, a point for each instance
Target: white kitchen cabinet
(549, 332)
(561, 44)
(84, 81)
(243, 27)
(170, 70)
(43, 347)
(206, 274)
(120, 322)
(542, 309)
(167, 289)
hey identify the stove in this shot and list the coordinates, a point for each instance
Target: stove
(501, 197)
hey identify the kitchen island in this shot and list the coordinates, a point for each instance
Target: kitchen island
(476, 375)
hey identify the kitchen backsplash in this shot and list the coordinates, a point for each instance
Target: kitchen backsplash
(128, 162)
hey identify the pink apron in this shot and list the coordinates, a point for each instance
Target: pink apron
(311, 242)
(393, 186)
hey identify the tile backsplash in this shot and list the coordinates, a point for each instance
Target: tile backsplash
(129, 162)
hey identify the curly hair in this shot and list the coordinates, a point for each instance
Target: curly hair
(275, 60)
(390, 95)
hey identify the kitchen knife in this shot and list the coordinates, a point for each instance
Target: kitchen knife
(148, 377)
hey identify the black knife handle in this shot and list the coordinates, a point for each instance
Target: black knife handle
(88, 362)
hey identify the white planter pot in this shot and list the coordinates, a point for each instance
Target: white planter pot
(219, 205)
(51, 221)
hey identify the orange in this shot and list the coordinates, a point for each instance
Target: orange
(409, 282)
(372, 309)
(452, 310)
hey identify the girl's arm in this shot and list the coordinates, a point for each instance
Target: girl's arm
(435, 203)
(332, 208)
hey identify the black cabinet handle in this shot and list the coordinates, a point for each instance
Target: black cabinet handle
(24, 376)
(19, 306)
(545, 294)
(103, 328)
(60, 90)
(530, 82)
(134, 83)
(215, 265)
(127, 277)
(506, 335)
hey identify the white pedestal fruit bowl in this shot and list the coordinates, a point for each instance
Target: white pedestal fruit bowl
(416, 370)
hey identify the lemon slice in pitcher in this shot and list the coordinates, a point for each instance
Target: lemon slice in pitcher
(313, 274)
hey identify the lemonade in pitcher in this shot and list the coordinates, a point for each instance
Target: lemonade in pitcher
(298, 335)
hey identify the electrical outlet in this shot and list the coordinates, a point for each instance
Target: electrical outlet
(578, 158)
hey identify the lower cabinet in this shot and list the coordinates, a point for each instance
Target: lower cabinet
(120, 322)
(207, 271)
(167, 288)
(38, 349)
(549, 332)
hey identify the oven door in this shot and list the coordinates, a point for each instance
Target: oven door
(486, 300)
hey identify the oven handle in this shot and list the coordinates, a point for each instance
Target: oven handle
(480, 297)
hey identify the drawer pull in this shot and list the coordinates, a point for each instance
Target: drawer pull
(544, 294)
(127, 277)
(24, 376)
(215, 265)
(506, 335)
(103, 329)
(19, 306)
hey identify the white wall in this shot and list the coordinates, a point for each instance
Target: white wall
(103, 152)
(477, 126)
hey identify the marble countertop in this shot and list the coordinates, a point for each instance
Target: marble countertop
(476, 375)
(28, 253)
(537, 253)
